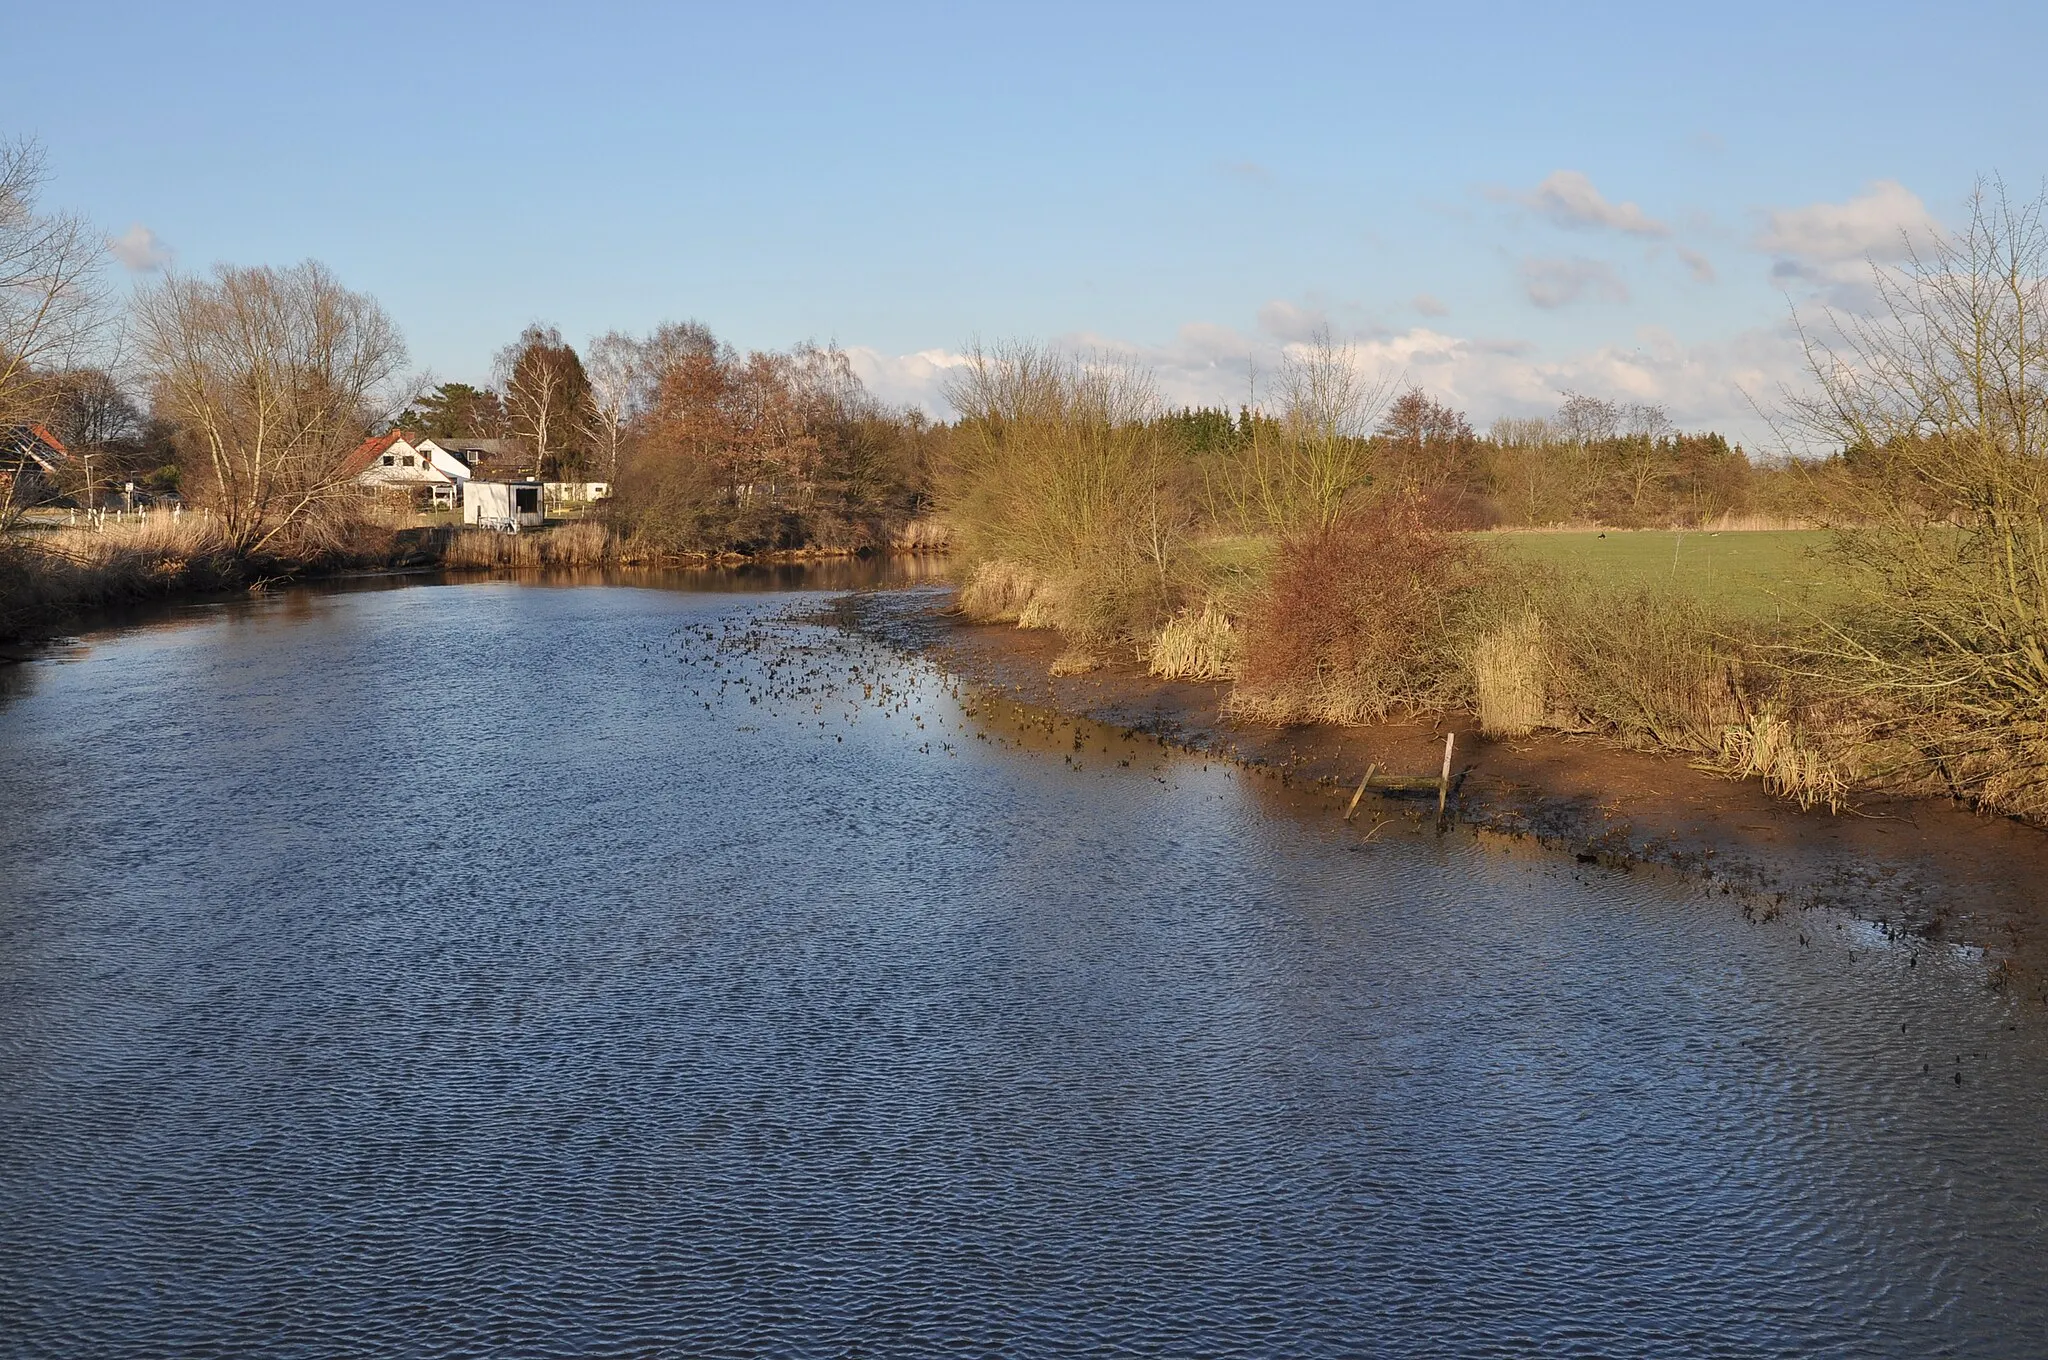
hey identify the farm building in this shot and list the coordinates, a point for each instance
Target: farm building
(502, 505)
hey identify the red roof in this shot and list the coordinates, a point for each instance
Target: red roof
(368, 452)
(50, 441)
(36, 442)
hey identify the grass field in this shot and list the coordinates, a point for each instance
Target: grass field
(1760, 573)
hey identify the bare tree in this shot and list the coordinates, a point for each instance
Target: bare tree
(52, 305)
(1301, 480)
(1644, 461)
(272, 376)
(1942, 390)
(613, 362)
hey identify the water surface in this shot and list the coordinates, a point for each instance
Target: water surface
(503, 969)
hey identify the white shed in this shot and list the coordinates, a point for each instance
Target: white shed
(502, 505)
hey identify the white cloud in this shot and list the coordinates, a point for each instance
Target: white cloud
(1876, 224)
(906, 379)
(1568, 199)
(1553, 283)
(1429, 305)
(141, 250)
(1286, 321)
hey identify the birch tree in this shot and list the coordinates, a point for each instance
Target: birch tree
(614, 367)
(547, 395)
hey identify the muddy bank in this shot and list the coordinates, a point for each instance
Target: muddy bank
(1918, 869)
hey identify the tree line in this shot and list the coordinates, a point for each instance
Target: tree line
(244, 389)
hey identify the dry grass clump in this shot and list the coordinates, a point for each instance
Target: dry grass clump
(1001, 591)
(1076, 661)
(1508, 666)
(1766, 746)
(1196, 645)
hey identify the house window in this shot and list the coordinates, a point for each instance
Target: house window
(408, 460)
(389, 459)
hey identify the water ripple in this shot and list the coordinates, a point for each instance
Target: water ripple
(604, 972)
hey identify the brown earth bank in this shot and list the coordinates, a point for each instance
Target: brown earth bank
(1918, 869)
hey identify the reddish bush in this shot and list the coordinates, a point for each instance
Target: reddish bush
(1357, 620)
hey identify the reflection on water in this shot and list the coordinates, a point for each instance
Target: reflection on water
(499, 970)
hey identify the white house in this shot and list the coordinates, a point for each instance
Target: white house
(392, 462)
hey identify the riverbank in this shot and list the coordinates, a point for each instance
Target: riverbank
(1915, 868)
(54, 581)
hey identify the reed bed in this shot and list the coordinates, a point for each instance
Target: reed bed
(47, 575)
(585, 543)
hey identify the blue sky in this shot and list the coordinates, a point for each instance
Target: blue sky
(1496, 202)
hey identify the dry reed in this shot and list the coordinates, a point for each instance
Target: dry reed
(1767, 746)
(1001, 591)
(1507, 674)
(585, 543)
(1196, 645)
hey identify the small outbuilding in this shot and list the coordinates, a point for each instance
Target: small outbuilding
(502, 505)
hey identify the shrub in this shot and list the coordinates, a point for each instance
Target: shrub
(1360, 620)
(1651, 667)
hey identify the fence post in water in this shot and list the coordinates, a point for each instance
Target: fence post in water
(1443, 781)
(1361, 790)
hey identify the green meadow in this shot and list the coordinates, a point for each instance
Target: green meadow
(1760, 573)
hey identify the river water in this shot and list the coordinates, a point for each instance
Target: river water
(502, 969)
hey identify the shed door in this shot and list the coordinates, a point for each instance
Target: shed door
(528, 498)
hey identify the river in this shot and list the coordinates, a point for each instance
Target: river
(515, 969)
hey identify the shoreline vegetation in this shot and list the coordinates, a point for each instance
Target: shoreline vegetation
(1340, 549)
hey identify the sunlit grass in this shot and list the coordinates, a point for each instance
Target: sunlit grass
(1760, 575)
